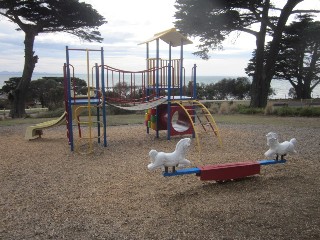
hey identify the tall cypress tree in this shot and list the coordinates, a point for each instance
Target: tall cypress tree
(46, 16)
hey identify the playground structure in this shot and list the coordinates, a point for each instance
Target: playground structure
(162, 90)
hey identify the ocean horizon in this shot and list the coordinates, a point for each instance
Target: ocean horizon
(281, 87)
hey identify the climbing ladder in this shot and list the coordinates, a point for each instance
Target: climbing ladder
(86, 139)
(201, 120)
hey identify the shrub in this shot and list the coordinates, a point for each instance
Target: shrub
(213, 108)
(52, 114)
(117, 111)
(4, 103)
(289, 111)
(249, 110)
(233, 107)
(285, 111)
(309, 112)
(224, 108)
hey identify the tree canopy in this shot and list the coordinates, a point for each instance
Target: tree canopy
(46, 16)
(228, 88)
(48, 91)
(299, 57)
(213, 21)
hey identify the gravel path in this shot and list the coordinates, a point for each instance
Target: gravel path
(48, 192)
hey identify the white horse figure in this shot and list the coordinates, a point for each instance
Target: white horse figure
(277, 148)
(176, 158)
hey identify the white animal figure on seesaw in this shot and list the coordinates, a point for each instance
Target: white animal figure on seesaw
(174, 159)
(279, 149)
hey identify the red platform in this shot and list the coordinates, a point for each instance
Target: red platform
(229, 171)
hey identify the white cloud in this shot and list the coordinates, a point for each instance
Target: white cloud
(129, 23)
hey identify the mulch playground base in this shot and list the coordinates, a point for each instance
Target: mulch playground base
(49, 192)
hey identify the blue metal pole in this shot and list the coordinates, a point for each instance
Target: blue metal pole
(157, 70)
(104, 112)
(169, 96)
(181, 67)
(194, 89)
(148, 73)
(147, 67)
(157, 80)
(69, 100)
(97, 96)
(194, 81)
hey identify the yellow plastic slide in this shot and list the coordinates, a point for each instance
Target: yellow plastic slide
(35, 131)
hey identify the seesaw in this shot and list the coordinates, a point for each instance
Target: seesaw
(219, 172)
(224, 172)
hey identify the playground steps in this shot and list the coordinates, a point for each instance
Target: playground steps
(86, 137)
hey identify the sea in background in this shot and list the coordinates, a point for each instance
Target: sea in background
(281, 87)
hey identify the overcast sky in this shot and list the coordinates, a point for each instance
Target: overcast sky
(129, 23)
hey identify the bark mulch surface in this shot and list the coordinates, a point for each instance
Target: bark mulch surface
(49, 192)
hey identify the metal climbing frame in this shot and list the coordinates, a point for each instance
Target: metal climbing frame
(93, 99)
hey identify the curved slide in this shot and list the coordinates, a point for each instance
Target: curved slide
(35, 131)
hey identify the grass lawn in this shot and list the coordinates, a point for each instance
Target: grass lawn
(269, 120)
(114, 120)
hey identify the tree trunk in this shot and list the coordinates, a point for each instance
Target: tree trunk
(302, 88)
(19, 94)
(306, 92)
(311, 71)
(263, 76)
(303, 91)
(298, 90)
(259, 94)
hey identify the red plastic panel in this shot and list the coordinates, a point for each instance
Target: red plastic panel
(182, 119)
(229, 171)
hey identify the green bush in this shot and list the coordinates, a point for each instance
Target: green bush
(4, 104)
(118, 111)
(214, 108)
(310, 112)
(285, 111)
(249, 110)
(52, 114)
(297, 111)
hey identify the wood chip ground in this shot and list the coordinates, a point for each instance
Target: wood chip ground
(49, 192)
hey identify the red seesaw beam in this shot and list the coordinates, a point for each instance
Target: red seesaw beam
(229, 171)
(225, 172)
